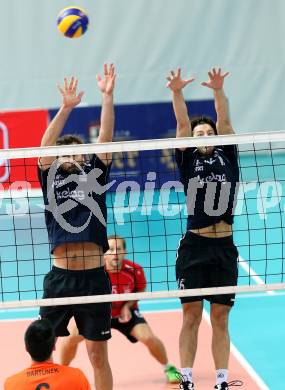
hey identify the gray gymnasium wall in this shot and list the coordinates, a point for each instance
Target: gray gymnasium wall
(145, 39)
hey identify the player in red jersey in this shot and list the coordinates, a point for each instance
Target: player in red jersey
(126, 277)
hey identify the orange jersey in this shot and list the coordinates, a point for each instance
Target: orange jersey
(48, 375)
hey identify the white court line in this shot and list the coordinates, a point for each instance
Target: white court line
(244, 264)
(250, 271)
(241, 359)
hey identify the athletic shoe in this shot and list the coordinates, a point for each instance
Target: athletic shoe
(184, 384)
(172, 375)
(225, 385)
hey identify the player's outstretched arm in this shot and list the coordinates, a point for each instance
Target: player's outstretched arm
(70, 99)
(106, 86)
(176, 84)
(216, 83)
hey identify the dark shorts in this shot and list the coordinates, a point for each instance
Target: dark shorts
(127, 327)
(207, 262)
(93, 320)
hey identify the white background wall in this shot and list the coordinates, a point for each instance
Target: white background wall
(145, 39)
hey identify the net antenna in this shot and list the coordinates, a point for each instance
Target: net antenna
(4, 163)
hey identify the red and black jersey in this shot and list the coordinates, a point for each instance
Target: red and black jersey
(129, 279)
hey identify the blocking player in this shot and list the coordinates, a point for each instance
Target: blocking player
(74, 191)
(206, 256)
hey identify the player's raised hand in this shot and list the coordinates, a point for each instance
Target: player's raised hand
(70, 98)
(107, 83)
(216, 79)
(175, 82)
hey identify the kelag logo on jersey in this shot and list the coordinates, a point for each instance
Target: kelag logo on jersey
(4, 144)
(86, 185)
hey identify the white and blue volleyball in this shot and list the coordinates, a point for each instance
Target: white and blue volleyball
(72, 22)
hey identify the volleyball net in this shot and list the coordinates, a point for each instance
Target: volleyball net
(146, 206)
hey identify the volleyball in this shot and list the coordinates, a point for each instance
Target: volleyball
(72, 22)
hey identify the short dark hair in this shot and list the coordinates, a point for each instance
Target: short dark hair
(201, 120)
(69, 139)
(115, 237)
(40, 340)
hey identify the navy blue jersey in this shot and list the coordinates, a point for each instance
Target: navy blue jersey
(210, 183)
(75, 204)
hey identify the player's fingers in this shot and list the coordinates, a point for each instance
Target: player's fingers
(178, 73)
(81, 93)
(71, 84)
(188, 81)
(204, 84)
(225, 74)
(65, 83)
(210, 74)
(105, 69)
(122, 320)
(60, 89)
(168, 78)
(98, 77)
(75, 84)
(214, 71)
(112, 70)
(172, 73)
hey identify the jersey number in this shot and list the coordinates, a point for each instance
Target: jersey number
(42, 386)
